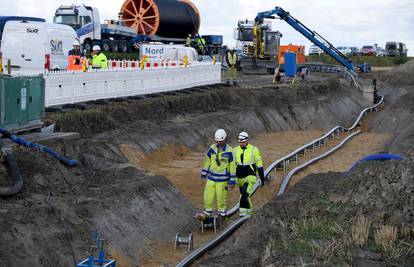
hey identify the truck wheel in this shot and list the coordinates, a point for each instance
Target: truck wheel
(87, 45)
(114, 46)
(106, 45)
(123, 46)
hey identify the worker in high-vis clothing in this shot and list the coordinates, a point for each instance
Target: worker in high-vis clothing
(219, 169)
(99, 60)
(231, 59)
(188, 41)
(249, 165)
(201, 44)
(75, 57)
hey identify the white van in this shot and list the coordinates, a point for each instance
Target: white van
(36, 46)
(178, 53)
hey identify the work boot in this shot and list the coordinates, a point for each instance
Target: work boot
(221, 214)
(234, 82)
(228, 82)
(208, 213)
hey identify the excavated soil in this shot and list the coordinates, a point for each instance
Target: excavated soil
(115, 187)
(400, 75)
(363, 218)
(183, 172)
(286, 231)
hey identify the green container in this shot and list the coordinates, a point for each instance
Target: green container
(22, 103)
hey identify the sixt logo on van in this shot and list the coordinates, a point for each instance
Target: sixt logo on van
(56, 46)
(154, 51)
(32, 30)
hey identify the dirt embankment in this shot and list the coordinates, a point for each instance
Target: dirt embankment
(50, 222)
(337, 219)
(398, 118)
(288, 101)
(400, 75)
(354, 219)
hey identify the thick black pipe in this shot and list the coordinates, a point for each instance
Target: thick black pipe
(14, 169)
(177, 19)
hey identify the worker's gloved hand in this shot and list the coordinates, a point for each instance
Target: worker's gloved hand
(262, 181)
(261, 175)
(232, 183)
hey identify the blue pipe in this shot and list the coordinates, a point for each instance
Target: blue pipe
(377, 157)
(23, 142)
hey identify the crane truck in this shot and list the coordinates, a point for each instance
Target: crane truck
(256, 32)
(312, 36)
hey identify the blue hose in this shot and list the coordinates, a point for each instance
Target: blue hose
(23, 142)
(377, 157)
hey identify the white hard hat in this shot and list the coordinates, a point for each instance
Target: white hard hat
(243, 137)
(96, 48)
(76, 42)
(220, 135)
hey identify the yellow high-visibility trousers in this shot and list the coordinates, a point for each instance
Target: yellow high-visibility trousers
(231, 73)
(246, 186)
(212, 190)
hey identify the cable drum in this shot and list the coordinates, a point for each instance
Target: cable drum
(165, 18)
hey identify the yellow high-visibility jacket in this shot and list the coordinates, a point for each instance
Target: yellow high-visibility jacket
(232, 58)
(219, 165)
(99, 61)
(248, 161)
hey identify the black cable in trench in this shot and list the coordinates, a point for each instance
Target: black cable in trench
(13, 169)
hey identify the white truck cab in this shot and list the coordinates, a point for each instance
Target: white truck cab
(35, 46)
(85, 21)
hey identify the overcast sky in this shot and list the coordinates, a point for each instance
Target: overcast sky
(343, 23)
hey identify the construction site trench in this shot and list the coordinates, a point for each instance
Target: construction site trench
(140, 161)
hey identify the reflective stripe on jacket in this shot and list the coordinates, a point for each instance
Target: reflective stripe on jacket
(219, 164)
(248, 160)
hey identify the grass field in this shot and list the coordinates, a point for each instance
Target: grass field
(374, 61)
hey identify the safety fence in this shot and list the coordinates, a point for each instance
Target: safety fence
(63, 87)
(133, 64)
(282, 163)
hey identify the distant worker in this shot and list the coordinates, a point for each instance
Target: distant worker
(249, 164)
(232, 58)
(219, 169)
(99, 60)
(201, 44)
(75, 57)
(277, 77)
(188, 41)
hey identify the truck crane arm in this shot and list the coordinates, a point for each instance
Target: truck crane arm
(312, 36)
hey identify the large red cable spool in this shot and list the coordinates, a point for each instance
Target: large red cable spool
(165, 18)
